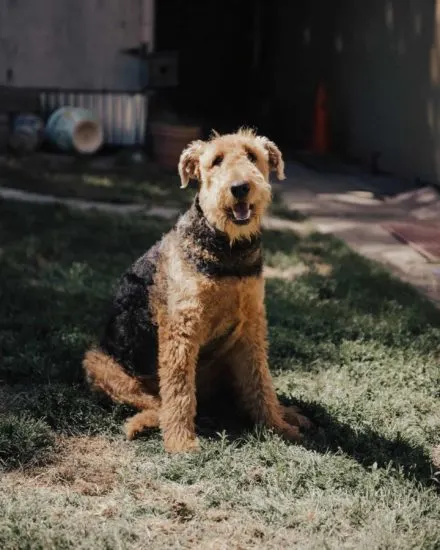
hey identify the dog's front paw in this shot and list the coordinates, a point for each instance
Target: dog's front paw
(290, 433)
(293, 415)
(179, 444)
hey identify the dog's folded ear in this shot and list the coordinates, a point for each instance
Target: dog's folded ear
(189, 163)
(276, 162)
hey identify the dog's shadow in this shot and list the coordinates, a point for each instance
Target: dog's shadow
(367, 447)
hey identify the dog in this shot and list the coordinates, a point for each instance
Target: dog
(189, 315)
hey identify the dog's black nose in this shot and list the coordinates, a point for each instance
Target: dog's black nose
(240, 189)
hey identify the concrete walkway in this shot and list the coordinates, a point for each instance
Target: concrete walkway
(346, 207)
(8, 193)
(165, 212)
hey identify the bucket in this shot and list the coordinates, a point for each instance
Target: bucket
(75, 129)
(27, 133)
(169, 140)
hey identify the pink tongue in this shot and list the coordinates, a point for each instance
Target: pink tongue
(241, 211)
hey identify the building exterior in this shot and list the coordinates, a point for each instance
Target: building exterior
(386, 68)
(74, 44)
(253, 62)
(380, 60)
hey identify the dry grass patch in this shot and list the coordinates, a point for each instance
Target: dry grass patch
(85, 465)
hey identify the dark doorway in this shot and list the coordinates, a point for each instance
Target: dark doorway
(223, 49)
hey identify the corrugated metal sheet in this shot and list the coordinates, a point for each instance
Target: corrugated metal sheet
(123, 115)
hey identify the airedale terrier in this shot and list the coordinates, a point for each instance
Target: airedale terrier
(190, 313)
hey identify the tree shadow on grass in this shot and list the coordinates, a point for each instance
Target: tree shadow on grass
(367, 447)
(361, 283)
(49, 315)
(72, 410)
(356, 301)
(370, 449)
(58, 269)
(145, 184)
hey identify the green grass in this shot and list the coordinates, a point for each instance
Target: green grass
(24, 441)
(121, 182)
(358, 349)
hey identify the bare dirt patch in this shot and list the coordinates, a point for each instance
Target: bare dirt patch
(86, 465)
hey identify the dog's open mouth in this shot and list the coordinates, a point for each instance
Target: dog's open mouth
(241, 213)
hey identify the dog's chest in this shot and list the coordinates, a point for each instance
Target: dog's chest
(227, 305)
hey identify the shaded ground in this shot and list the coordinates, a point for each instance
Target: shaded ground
(356, 347)
(115, 179)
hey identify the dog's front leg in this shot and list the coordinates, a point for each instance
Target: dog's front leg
(178, 353)
(253, 380)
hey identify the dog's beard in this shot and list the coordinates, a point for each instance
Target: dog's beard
(238, 229)
(238, 219)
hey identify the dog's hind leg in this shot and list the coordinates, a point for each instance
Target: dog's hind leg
(105, 374)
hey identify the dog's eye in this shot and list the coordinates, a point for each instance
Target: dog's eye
(217, 161)
(251, 156)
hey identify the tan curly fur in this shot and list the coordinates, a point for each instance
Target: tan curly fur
(210, 316)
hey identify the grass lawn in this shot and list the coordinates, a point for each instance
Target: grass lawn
(358, 349)
(118, 182)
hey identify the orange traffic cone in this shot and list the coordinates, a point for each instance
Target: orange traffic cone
(320, 139)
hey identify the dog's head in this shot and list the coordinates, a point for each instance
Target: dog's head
(233, 172)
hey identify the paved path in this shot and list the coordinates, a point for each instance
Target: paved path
(345, 206)
(37, 198)
(168, 213)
